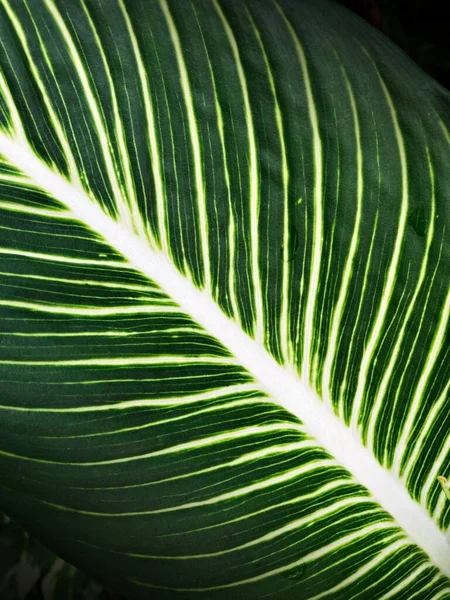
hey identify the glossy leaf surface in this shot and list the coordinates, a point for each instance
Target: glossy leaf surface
(224, 299)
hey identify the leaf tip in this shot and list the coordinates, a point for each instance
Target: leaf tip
(445, 484)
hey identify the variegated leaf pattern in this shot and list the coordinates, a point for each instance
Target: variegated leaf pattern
(224, 299)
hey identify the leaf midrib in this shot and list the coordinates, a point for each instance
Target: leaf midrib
(284, 385)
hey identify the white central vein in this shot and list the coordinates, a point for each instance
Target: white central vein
(284, 386)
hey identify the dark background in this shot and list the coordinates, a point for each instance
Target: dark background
(417, 26)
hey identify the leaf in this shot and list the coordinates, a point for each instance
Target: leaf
(445, 485)
(225, 299)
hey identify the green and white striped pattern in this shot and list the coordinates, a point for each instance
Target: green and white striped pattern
(225, 299)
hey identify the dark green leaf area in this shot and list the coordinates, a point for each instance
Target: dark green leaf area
(280, 162)
(257, 559)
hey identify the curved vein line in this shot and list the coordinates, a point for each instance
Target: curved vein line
(377, 327)
(259, 323)
(308, 328)
(195, 145)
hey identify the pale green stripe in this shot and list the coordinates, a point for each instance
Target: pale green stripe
(195, 145)
(336, 319)
(154, 152)
(91, 311)
(392, 271)
(125, 362)
(274, 481)
(97, 117)
(87, 262)
(417, 399)
(254, 199)
(378, 402)
(313, 285)
(330, 548)
(222, 392)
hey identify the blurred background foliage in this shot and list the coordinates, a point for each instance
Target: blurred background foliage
(28, 571)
